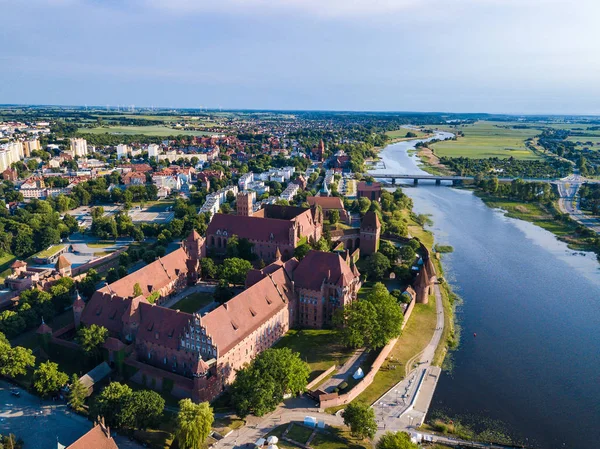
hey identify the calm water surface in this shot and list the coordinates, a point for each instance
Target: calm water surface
(535, 306)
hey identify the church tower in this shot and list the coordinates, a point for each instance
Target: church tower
(370, 230)
(244, 204)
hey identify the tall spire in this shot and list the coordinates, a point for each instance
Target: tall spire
(278, 254)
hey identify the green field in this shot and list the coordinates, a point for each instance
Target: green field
(154, 130)
(488, 139)
(401, 133)
(320, 348)
(193, 302)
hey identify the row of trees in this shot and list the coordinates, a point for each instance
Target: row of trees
(519, 190)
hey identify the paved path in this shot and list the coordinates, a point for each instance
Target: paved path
(568, 202)
(347, 369)
(405, 405)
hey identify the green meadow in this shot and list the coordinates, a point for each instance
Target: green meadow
(487, 139)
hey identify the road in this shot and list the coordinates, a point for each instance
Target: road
(41, 423)
(568, 202)
(405, 405)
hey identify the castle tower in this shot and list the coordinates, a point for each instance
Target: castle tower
(63, 266)
(194, 245)
(78, 306)
(370, 230)
(44, 334)
(244, 204)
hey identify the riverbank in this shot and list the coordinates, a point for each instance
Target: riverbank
(545, 216)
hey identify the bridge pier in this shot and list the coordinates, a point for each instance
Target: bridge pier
(416, 181)
(438, 182)
(393, 181)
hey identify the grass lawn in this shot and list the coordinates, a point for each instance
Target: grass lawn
(299, 433)
(278, 431)
(151, 130)
(50, 251)
(320, 348)
(193, 302)
(226, 425)
(488, 139)
(331, 438)
(414, 339)
(5, 263)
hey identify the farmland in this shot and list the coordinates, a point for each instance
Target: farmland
(153, 130)
(487, 139)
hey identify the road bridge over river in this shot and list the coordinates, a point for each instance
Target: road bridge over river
(455, 180)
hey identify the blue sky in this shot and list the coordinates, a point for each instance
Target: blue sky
(512, 56)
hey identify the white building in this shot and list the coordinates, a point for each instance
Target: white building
(245, 179)
(31, 145)
(153, 150)
(10, 152)
(290, 192)
(122, 151)
(78, 147)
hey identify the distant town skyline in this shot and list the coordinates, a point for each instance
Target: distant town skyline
(496, 56)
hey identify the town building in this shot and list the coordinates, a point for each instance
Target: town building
(122, 151)
(97, 438)
(79, 147)
(31, 145)
(153, 150)
(370, 190)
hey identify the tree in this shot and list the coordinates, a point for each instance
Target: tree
(301, 251)
(77, 394)
(388, 249)
(361, 420)
(377, 266)
(408, 254)
(261, 385)
(113, 404)
(389, 317)
(48, 379)
(14, 361)
(356, 320)
(396, 440)
(92, 338)
(209, 268)
(232, 249)
(193, 425)
(234, 270)
(137, 290)
(146, 407)
(334, 216)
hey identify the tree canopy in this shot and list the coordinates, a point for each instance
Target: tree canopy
(194, 422)
(396, 440)
(47, 379)
(361, 420)
(261, 385)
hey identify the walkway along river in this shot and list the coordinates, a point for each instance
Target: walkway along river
(535, 307)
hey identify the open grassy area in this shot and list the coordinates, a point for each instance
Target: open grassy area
(5, 263)
(151, 130)
(401, 133)
(329, 438)
(49, 251)
(320, 348)
(193, 302)
(299, 433)
(488, 139)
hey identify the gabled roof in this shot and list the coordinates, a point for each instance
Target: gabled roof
(252, 228)
(152, 277)
(318, 266)
(104, 309)
(240, 316)
(162, 325)
(18, 264)
(95, 375)
(326, 202)
(97, 438)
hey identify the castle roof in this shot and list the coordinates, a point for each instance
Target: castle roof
(326, 202)
(240, 316)
(193, 236)
(109, 310)
(318, 266)
(44, 328)
(252, 228)
(152, 277)
(18, 264)
(62, 262)
(370, 220)
(162, 325)
(423, 277)
(364, 186)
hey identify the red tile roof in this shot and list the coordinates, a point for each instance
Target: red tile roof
(319, 266)
(18, 264)
(62, 262)
(370, 220)
(252, 228)
(369, 186)
(230, 323)
(162, 325)
(153, 276)
(326, 202)
(97, 438)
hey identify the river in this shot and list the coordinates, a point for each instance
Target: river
(534, 304)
